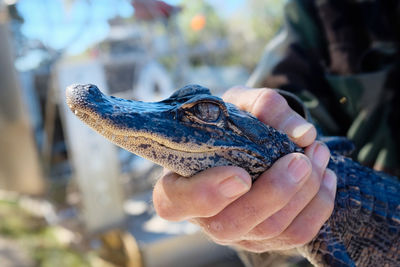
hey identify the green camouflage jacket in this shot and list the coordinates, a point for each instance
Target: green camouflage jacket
(342, 59)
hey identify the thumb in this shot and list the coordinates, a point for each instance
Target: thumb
(202, 195)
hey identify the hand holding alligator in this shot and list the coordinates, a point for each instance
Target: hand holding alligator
(284, 208)
(192, 131)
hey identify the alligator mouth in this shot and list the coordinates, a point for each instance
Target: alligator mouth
(184, 160)
(128, 139)
(86, 100)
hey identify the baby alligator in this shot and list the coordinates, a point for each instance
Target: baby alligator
(193, 130)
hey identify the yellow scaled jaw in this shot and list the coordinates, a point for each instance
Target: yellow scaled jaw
(128, 138)
(165, 153)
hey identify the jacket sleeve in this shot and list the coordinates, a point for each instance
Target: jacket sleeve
(293, 61)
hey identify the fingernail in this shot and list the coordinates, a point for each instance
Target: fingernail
(298, 168)
(329, 179)
(301, 130)
(233, 186)
(321, 155)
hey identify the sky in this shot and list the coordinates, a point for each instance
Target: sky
(66, 23)
(57, 23)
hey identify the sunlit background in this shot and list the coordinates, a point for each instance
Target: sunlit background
(68, 197)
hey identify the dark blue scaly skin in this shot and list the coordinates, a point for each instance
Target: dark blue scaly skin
(193, 130)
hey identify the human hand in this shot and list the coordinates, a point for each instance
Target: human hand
(287, 204)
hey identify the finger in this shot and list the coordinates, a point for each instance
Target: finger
(278, 222)
(204, 194)
(272, 109)
(319, 154)
(307, 225)
(269, 193)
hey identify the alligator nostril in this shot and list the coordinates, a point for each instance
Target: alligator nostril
(93, 89)
(94, 93)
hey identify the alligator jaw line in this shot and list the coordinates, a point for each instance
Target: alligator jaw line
(126, 139)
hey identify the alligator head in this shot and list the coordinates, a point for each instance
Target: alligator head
(186, 133)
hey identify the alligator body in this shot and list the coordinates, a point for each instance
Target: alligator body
(193, 130)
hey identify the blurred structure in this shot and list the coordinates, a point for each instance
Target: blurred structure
(153, 9)
(94, 159)
(19, 165)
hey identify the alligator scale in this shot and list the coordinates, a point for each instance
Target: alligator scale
(193, 130)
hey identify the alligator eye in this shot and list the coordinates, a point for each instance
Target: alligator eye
(207, 111)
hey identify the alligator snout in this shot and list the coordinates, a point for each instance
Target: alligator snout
(79, 95)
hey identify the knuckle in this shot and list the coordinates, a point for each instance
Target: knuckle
(310, 228)
(166, 207)
(270, 95)
(270, 228)
(203, 202)
(231, 94)
(217, 231)
(165, 210)
(276, 194)
(222, 230)
(271, 99)
(214, 230)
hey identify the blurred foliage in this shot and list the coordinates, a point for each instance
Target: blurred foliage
(214, 26)
(265, 18)
(252, 29)
(14, 222)
(246, 31)
(40, 240)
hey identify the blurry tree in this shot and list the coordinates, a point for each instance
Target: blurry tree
(200, 23)
(204, 31)
(237, 39)
(266, 18)
(252, 28)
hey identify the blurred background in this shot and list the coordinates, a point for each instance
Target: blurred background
(68, 197)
